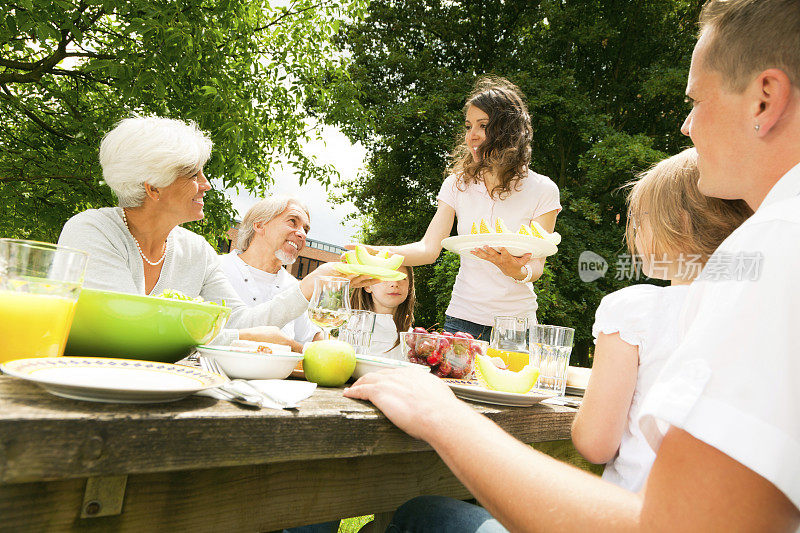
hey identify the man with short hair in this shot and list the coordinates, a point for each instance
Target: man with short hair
(724, 416)
(271, 236)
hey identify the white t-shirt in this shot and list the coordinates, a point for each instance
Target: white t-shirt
(481, 291)
(255, 286)
(734, 381)
(645, 316)
(384, 337)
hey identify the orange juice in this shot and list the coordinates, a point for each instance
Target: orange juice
(515, 361)
(33, 325)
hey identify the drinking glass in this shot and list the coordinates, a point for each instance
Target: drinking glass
(358, 330)
(550, 350)
(509, 341)
(330, 304)
(39, 286)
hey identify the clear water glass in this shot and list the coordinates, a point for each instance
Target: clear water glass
(358, 330)
(551, 347)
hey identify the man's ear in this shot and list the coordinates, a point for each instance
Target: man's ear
(773, 89)
(258, 226)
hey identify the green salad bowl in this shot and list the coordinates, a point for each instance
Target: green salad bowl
(131, 326)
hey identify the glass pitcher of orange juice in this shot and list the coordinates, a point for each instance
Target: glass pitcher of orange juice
(509, 341)
(39, 286)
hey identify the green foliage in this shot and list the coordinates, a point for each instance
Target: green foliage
(604, 81)
(70, 69)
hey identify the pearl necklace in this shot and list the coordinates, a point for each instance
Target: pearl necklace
(146, 260)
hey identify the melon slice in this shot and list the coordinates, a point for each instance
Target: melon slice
(538, 231)
(382, 259)
(524, 230)
(500, 226)
(535, 230)
(383, 274)
(484, 227)
(497, 379)
(350, 257)
(474, 229)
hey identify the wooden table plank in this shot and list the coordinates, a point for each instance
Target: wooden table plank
(258, 498)
(43, 437)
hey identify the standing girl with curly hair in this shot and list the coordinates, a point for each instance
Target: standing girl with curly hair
(489, 178)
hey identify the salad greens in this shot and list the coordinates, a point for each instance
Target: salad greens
(177, 295)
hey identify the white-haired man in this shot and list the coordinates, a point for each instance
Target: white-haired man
(271, 236)
(724, 415)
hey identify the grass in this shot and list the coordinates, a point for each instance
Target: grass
(352, 525)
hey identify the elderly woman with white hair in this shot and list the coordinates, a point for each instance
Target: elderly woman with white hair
(155, 168)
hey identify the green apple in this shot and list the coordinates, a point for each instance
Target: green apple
(329, 363)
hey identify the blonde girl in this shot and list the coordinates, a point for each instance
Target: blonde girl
(393, 302)
(673, 229)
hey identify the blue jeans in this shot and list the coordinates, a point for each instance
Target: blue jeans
(479, 331)
(442, 515)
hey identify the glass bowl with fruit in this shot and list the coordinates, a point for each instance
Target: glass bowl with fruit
(449, 355)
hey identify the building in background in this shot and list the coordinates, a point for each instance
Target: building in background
(313, 254)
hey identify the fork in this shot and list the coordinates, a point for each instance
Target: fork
(241, 386)
(233, 393)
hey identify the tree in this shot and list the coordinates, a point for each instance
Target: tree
(604, 82)
(70, 69)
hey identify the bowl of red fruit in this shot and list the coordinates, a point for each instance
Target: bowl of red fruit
(449, 355)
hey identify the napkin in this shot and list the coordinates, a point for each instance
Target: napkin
(290, 392)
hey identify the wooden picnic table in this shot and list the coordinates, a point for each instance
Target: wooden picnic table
(205, 465)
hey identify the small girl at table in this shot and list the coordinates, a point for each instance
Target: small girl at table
(393, 302)
(673, 229)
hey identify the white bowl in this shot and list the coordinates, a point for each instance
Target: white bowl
(372, 363)
(244, 365)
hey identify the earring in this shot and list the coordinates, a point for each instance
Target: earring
(758, 127)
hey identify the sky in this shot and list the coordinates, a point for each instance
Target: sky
(327, 219)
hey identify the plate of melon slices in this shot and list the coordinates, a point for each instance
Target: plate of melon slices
(529, 239)
(500, 386)
(383, 265)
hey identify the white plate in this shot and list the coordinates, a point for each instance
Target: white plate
(244, 365)
(515, 243)
(471, 390)
(100, 379)
(372, 363)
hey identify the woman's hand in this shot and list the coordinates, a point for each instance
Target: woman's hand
(508, 264)
(370, 248)
(329, 269)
